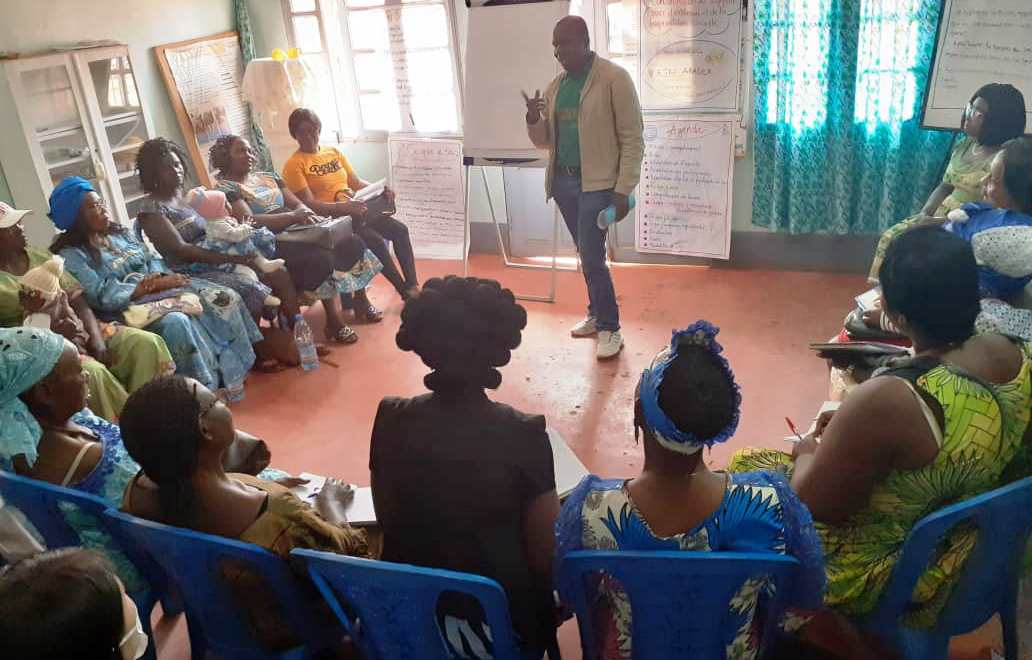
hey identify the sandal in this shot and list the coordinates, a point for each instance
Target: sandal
(369, 315)
(344, 335)
(269, 366)
(322, 350)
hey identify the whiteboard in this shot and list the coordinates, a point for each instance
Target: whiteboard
(508, 49)
(979, 42)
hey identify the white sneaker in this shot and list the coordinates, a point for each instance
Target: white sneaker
(609, 344)
(585, 328)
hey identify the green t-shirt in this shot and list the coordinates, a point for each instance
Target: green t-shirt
(11, 312)
(567, 105)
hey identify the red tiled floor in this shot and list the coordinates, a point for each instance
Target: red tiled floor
(321, 421)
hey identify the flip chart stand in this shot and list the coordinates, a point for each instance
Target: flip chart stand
(554, 267)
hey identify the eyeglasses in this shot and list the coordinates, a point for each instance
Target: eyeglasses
(971, 111)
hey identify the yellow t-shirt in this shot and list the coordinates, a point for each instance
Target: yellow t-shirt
(328, 174)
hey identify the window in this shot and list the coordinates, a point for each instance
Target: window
(397, 60)
(886, 82)
(307, 31)
(121, 91)
(885, 41)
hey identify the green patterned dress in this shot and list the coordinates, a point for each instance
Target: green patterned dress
(966, 173)
(981, 439)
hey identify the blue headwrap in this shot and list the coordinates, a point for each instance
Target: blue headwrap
(704, 335)
(27, 355)
(66, 200)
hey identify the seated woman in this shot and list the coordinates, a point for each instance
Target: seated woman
(934, 430)
(995, 114)
(116, 270)
(179, 432)
(1000, 234)
(322, 178)
(177, 230)
(461, 482)
(67, 603)
(687, 400)
(264, 198)
(117, 359)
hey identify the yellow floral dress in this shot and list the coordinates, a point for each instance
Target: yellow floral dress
(966, 173)
(982, 436)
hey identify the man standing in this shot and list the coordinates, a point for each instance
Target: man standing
(590, 122)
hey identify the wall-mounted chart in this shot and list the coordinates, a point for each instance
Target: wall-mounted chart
(690, 54)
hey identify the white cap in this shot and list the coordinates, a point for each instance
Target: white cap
(10, 216)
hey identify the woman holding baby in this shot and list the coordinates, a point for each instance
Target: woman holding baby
(210, 341)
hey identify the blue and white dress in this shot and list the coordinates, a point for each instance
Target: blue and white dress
(759, 513)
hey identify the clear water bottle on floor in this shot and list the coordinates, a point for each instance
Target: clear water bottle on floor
(607, 216)
(305, 344)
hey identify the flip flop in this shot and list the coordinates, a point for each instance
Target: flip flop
(322, 350)
(344, 335)
(369, 315)
(269, 366)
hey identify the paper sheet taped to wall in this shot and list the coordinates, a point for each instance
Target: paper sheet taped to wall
(684, 198)
(426, 175)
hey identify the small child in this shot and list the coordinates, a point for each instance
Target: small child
(227, 236)
(41, 291)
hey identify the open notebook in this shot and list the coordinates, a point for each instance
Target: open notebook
(569, 470)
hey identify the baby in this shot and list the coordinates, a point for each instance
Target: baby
(46, 303)
(226, 235)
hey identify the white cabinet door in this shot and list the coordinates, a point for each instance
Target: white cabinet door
(122, 126)
(56, 122)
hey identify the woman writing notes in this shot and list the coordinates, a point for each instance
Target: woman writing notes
(995, 114)
(944, 426)
(322, 178)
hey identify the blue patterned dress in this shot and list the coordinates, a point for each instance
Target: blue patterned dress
(759, 513)
(213, 348)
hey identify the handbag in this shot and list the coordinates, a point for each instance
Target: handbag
(142, 314)
(326, 233)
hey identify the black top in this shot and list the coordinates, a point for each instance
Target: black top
(453, 475)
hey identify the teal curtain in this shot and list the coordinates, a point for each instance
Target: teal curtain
(246, 36)
(839, 86)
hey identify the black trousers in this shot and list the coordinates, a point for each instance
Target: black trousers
(377, 233)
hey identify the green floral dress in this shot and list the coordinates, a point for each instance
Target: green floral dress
(965, 172)
(982, 437)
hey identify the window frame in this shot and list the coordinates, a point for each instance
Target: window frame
(336, 38)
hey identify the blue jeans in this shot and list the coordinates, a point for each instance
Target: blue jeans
(580, 211)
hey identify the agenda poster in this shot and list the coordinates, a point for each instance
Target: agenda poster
(689, 56)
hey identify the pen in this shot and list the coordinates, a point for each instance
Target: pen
(792, 428)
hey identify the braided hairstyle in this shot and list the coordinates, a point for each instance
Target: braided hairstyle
(1017, 171)
(153, 155)
(462, 328)
(1006, 117)
(218, 155)
(696, 392)
(161, 429)
(61, 604)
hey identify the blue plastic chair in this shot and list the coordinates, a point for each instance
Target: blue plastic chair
(988, 583)
(42, 503)
(217, 625)
(396, 605)
(678, 599)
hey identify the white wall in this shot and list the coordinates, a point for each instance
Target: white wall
(38, 25)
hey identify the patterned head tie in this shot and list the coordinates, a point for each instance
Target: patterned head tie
(701, 334)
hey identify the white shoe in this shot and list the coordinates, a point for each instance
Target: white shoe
(585, 328)
(609, 344)
(272, 301)
(268, 265)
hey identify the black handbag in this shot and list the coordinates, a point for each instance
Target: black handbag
(325, 233)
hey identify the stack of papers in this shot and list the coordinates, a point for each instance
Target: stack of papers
(372, 191)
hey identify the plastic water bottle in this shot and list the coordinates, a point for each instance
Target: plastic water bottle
(305, 344)
(607, 216)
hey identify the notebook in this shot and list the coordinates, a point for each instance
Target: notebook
(359, 512)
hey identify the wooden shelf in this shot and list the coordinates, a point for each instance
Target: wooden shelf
(59, 132)
(65, 163)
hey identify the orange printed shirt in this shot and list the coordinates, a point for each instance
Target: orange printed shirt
(328, 174)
